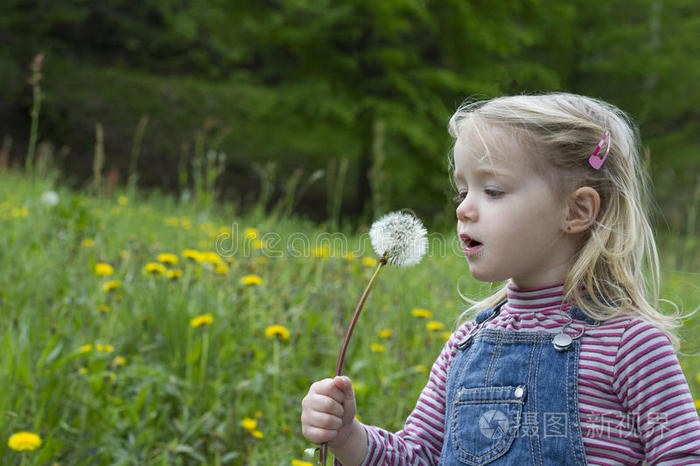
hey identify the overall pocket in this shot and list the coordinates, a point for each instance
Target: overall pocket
(485, 422)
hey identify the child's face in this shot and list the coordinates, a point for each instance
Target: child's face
(508, 219)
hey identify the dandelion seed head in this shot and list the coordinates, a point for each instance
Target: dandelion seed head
(49, 198)
(401, 236)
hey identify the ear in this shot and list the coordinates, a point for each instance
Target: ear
(582, 210)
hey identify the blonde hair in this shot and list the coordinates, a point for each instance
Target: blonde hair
(560, 131)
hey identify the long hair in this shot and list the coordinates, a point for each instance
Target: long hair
(616, 269)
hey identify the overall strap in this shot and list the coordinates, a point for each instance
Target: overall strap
(486, 314)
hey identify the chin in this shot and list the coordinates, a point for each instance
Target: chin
(485, 276)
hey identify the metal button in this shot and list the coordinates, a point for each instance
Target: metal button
(519, 392)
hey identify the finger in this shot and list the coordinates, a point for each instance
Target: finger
(344, 384)
(324, 404)
(321, 420)
(318, 435)
(321, 386)
(328, 388)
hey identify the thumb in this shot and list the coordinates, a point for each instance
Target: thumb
(344, 384)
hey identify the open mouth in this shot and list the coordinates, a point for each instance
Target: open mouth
(468, 241)
(470, 245)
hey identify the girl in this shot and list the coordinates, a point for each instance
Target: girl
(569, 362)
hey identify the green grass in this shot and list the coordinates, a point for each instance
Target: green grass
(183, 392)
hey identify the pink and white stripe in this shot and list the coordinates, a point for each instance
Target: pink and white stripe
(634, 401)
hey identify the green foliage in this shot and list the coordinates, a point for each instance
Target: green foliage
(305, 84)
(181, 393)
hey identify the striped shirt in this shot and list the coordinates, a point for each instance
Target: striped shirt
(634, 402)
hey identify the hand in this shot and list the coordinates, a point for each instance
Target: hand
(328, 411)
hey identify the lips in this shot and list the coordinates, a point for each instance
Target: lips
(468, 241)
(470, 246)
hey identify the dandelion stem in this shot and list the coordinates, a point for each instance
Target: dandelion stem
(356, 315)
(188, 361)
(204, 357)
(348, 334)
(276, 375)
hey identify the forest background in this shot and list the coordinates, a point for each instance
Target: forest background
(343, 104)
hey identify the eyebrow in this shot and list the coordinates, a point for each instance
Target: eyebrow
(481, 172)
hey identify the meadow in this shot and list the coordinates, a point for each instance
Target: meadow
(140, 330)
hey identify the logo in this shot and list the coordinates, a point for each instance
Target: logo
(493, 424)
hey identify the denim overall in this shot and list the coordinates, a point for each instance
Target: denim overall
(512, 399)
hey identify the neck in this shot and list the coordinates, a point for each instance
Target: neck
(535, 299)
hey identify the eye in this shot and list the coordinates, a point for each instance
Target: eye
(493, 192)
(459, 197)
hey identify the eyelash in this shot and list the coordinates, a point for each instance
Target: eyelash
(492, 193)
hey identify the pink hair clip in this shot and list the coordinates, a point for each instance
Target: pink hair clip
(595, 160)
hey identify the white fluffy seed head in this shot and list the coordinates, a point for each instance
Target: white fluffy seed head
(401, 236)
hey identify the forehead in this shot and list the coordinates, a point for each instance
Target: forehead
(491, 150)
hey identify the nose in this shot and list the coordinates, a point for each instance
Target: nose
(466, 210)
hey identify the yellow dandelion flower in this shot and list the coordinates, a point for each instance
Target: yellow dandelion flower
(109, 349)
(103, 308)
(123, 254)
(171, 221)
(119, 361)
(369, 261)
(257, 434)
(87, 242)
(112, 376)
(173, 273)
(350, 256)
(19, 212)
(446, 335)
(434, 325)
(420, 368)
(205, 319)
(154, 268)
(251, 233)
(386, 333)
(103, 269)
(111, 285)
(185, 223)
(83, 371)
(321, 252)
(251, 280)
(376, 348)
(301, 463)
(167, 258)
(221, 269)
(249, 424)
(123, 200)
(22, 441)
(258, 244)
(697, 404)
(258, 414)
(85, 348)
(424, 313)
(100, 347)
(277, 331)
(262, 260)
(211, 258)
(192, 254)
